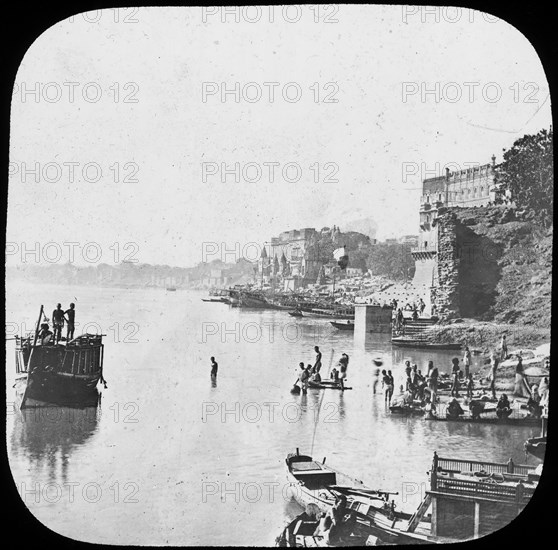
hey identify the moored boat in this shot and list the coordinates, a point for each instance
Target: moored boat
(303, 532)
(312, 482)
(510, 420)
(65, 374)
(418, 343)
(536, 446)
(349, 325)
(327, 384)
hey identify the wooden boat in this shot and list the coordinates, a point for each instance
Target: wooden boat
(326, 384)
(300, 533)
(59, 374)
(346, 314)
(296, 314)
(171, 289)
(402, 341)
(510, 421)
(536, 446)
(343, 326)
(218, 300)
(312, 482)
(407, 410)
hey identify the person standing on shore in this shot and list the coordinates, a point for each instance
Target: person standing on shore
(467, 361)
(455, 376)
(521, 388)
(504, 347)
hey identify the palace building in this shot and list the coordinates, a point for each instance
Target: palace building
(472, 187)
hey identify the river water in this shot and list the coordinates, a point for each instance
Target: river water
(171, 457)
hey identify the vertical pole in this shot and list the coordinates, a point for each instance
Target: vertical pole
(37, 327)
(476, 522)
(434, 472)
(434, 518)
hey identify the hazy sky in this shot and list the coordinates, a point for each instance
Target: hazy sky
(138, 128)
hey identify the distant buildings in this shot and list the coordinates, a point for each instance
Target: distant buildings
(294, 255)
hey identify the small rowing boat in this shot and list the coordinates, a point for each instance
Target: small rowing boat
(312, 482)
(327, 384)
(296, 314)
(415, 343)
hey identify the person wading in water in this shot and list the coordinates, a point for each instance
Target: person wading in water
(214, 367)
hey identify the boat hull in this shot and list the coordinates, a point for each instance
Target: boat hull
(321, 492)
(326, 384)
(418, 344)
(526, 421)
(536, 446)
(343, 326)
(44, 389)
(65, 375)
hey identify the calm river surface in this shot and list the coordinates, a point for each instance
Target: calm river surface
(169, 457)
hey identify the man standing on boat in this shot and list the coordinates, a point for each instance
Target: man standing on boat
(303, 378)
(318, 363)
(58, 322)
(70, 318)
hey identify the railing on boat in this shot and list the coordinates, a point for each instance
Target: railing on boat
(484, 490)
(441, 482)
(83, 355)
(471, 466)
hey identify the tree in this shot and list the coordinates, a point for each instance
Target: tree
(391, 260)
(527, 173)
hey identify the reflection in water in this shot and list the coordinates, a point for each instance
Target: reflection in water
(47, 436)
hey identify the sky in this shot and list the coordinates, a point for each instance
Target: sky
(125, 142)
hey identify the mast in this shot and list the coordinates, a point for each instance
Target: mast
(37, 327)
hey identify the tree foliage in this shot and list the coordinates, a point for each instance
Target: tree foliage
(527, 173)
(391, 260)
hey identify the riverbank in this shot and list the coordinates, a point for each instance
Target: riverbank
(485, 336)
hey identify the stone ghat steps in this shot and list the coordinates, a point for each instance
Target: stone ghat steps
(418, 327)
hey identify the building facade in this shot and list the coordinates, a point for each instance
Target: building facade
(472, 187)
